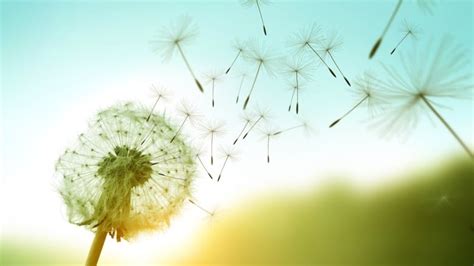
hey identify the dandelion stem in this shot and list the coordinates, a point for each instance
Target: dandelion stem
(240, 88)
(253, 125)
(201, 208)
(222, 169)
(179, 129)
(212, 148)
(241, 132)
(291, 100)
(268, 148)
(96, 247)
(213, 83)
(287, 129)
(261, 18)
(379, 40)
(153, 108)
(253, 84)
(297, 92)
(189, 68)
(203, 166)
(322, 60)
(233, 62)
(400, 42)
(337, 66)
(148, 135)
(469, 152)
(350, 110)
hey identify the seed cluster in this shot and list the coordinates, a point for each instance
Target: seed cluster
(124, 175)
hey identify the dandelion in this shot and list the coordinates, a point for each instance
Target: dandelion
(247, 120)
(304, 125)
(200, 207)
(160, 93)
(227, 154)
(408, 31)
(173, 39)
(268, 133)
(114, 183)
(240, 48)
(188, 113)
(262, 115)
(366, 93)
(257, 3)
(427, 76)
(297, 69)
(387, 26)
(329, 47)
(243, 76)
(212, 130)
(262, 56)
(213, 78)
(198, 156)
(309, 39)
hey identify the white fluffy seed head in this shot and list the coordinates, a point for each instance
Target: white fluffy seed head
(124, 176)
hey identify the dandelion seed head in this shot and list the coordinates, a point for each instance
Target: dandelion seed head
(300, 66)
(114, 179)
(213, 127)
(332, 42)
(159, 91)
(187, 110)
(214, 76)
(229, 152)
(180, 33)
(260, 54)
(239, 46)
(262, 113)
(309, 36)
(366, 88)
(432, 74)
(412, 31)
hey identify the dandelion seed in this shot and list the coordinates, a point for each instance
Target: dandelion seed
(173, 39)
(365, 92)
(188, 113)
(247, 120)
(228, 154)
(242, 79)
(261, 55)
(329, 47)
(112, 184)
(408, 31)
(268, 133)
(308, 40)
(160, 93)
(240, 48)
(212, 79)
(200, 207)
(257, 3)
(427, 75)
(262, 115)
(297, 69)
(380, 39)
(304, 125)
(198, 156)
(212, 130)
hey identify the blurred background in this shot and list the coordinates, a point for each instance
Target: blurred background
(345, 195)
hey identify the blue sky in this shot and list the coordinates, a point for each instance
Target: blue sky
(62, 61)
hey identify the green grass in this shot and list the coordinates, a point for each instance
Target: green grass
(426, 219)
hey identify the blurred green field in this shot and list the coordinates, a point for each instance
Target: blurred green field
(426, 218)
